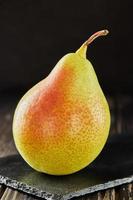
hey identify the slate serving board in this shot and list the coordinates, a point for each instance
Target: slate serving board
(113, 167)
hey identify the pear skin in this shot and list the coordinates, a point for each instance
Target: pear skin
(61, 124)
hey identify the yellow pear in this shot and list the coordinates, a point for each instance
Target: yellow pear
(62, 123)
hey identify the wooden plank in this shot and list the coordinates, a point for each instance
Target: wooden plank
(7, 146)
(126, 192)
(102, 195)
(94, 196)
(109, 194)
(2, 189)
(11, 194)
(113, 115)
(124, 113)
(8, 194)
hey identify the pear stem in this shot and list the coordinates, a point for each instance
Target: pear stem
(82, 50)
(96, 35)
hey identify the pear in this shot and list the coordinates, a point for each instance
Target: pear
(62, 123)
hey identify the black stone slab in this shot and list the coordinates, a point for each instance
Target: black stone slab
(113, 167)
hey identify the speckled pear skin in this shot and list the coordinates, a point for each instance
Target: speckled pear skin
(62, 123)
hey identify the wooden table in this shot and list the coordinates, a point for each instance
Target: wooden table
(122, 121)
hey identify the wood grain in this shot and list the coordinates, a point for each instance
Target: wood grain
(11, 194)
(2, 189)
(6, 140)
(121, 121)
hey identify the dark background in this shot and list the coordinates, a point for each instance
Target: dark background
(34, 35)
